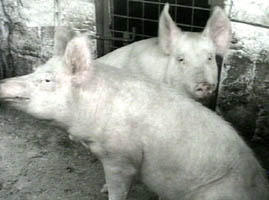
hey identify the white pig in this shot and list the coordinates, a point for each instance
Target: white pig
(180, 149)
(184, 60)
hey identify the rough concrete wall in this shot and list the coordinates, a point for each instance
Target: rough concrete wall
(27, 30)
(244, 93)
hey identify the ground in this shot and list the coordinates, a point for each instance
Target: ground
(39, 162)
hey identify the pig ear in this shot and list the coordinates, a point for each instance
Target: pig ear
(168, 31)
(78, 59)
(62, 36)
(218, 28)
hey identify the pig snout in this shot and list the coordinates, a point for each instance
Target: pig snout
(12, 89)
(205, 90)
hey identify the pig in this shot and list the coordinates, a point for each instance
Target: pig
(183, 60)
(138, 127)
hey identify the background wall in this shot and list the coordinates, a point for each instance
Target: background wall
(244, 93)
(27, 30)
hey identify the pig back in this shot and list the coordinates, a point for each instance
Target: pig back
(178, 145)
(182, 141)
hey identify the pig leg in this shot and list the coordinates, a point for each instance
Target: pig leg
(119, 175)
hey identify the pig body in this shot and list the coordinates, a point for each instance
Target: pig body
(179, 149)
(183, 60)
(174, 144)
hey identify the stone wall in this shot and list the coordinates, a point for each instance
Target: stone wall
(27, 30)
(244, 93)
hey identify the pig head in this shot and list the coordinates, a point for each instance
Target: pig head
(51, 86)
(183, 60)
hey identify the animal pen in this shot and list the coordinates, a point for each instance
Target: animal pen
(122, 22)
(35, 157)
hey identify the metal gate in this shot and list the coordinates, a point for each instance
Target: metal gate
(120, 22)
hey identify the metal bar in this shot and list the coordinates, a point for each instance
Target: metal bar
(139, 35)
(151, 20)
(129, 36)
(100, 24)
(192, 15)
(159, 7)
(134, 34)
(177, 5)
(175, 14)
(112, 22)
(106, 10)
(100, 36)
(128, 13)
(143, 16)
(214, 3)
(107, 22)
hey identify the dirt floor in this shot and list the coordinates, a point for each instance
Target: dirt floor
(39, 162)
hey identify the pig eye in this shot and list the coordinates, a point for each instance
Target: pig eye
(210, 57)
(180, 59)
(47, 80)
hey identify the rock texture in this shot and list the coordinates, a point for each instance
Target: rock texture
(27, 30)
(250, 11)
(244, 92)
